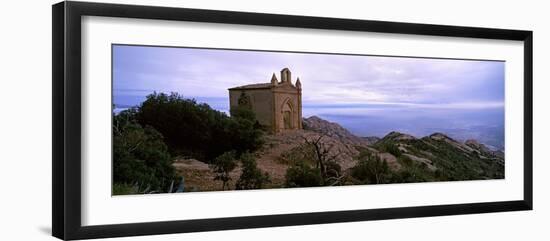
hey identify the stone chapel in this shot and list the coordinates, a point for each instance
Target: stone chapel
(277, 104)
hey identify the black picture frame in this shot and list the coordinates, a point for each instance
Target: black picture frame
(66, 75)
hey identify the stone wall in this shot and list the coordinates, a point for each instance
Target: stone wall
(261, 103)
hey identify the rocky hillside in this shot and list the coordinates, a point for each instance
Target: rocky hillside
(432, 158)
(282, 149)
(333, 130)
(446, 158)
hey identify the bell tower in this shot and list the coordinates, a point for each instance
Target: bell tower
(285, 75)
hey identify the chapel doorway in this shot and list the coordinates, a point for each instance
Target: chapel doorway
(286, 120)
(287, 116)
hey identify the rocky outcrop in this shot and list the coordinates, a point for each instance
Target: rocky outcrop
(281, 144)
(333, 130)
(397, 136)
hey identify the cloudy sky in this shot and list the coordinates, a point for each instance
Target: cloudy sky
(369, 95)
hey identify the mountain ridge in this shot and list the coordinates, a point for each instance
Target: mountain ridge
(435, 152)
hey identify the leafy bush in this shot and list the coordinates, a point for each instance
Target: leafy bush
(198, 131)
(251, 176)
(370, 169)
(302, 175)
(222, 167)
(140, 157)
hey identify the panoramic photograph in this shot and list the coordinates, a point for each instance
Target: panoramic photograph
(199, 119)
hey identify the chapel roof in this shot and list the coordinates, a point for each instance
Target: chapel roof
(253, 86)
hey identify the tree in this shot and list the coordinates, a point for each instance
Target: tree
(325, 162)
(370, 169)
(196, 130)
(222, 167)
(245, 131)
(140, 157)
(251, 176)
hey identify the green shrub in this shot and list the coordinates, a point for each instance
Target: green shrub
(222, 167)
(251, 176)
(140, 157)
(412, 173)
(302, 174)
(370, 169)
(244, 131)
(405, 160)
(390, 148)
